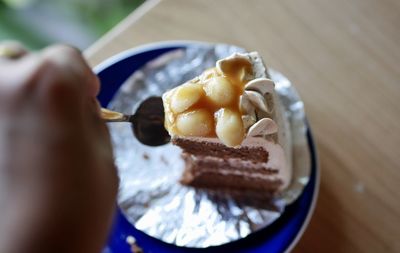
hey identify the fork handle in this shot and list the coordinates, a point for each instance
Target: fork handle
(113, 116)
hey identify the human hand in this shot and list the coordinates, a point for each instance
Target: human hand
(57, 178)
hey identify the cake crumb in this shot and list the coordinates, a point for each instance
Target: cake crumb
(146, 156)
(134, 247)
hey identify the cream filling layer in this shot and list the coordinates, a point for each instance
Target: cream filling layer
(242, 174)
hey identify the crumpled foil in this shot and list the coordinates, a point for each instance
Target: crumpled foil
(150, 194)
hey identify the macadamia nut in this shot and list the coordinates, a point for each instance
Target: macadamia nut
(185, 96)
(195, 123)
(220, 91)
(229, 127)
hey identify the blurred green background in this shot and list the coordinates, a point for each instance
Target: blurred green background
(37, 23)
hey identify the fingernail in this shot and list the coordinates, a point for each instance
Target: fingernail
(12, 50)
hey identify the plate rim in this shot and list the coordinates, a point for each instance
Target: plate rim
(108, 62)
(313, 204)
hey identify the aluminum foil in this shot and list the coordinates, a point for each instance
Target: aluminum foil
(150, 194)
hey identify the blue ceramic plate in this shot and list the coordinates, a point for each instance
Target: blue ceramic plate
(281, 236)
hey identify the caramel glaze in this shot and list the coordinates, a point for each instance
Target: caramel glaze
(235, 74)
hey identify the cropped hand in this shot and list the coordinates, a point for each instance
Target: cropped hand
(57, 178)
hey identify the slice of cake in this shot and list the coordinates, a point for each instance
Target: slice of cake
(230, 125)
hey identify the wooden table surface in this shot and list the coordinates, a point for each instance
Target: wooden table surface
(344, 58)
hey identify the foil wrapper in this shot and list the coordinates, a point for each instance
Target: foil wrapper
(150, 194)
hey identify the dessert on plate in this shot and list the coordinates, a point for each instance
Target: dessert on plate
(231, 127)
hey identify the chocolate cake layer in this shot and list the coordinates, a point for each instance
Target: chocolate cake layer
(217, 180)
(255, 154)
(212, 172)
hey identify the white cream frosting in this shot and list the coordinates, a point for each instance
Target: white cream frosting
(253, 98)
(262, 127)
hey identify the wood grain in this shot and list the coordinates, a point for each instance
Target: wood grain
(343, 56)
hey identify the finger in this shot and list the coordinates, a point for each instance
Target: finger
(71, 59)
(75, 77)
(19, 76)
(10, 50)
(68, 86)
